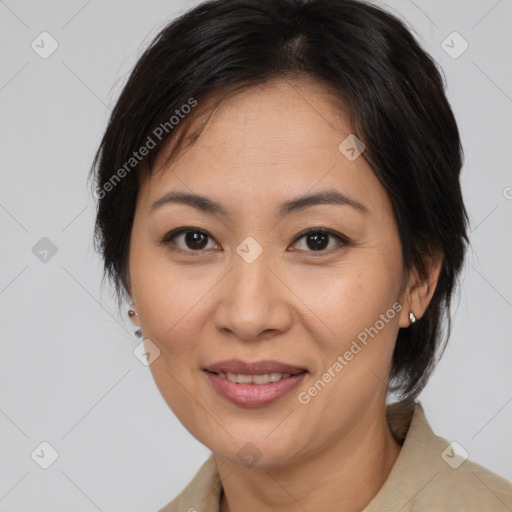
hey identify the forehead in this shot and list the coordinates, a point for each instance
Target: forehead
(279, 136)
(275, 117)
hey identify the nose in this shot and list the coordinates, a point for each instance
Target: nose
(254, 302)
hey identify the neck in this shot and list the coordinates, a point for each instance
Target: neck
(350, 471)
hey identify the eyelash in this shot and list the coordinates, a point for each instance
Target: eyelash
(342, 240)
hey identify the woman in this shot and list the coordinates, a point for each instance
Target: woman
(279, 197)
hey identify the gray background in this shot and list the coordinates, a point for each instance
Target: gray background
(68, 375)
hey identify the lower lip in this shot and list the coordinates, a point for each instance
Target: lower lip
(254, 395)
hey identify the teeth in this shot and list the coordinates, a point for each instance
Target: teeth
(242, 379)
(239, 378)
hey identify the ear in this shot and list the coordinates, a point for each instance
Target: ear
(134, 317)
(420, 289)
(128, 289)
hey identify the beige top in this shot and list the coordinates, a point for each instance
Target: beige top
(428, 475)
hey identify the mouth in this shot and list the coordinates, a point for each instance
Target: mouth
(254, 384)
(257, 368)
(261, 379)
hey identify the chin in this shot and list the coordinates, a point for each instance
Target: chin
(259, 452)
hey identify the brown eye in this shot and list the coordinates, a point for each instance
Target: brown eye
(187, 239)
(318, 240)
(195, 240)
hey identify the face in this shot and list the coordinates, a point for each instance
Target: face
(312, 284)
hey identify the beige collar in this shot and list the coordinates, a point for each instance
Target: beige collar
(423, 478)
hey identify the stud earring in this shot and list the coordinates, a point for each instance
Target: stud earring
(132, 312)
(412, 318)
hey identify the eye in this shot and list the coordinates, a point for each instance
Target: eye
(317, 240)
(193, 239)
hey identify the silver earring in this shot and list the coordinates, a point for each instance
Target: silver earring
(131, 312)
(412, 318)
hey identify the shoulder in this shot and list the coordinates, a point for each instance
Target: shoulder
(469, 487)
(203, 492)
(433, 474)
(457, 483)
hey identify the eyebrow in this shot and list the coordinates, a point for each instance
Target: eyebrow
(207, 205)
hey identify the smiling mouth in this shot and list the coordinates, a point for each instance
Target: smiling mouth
(265, 378)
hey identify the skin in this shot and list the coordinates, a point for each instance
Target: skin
(264, 146)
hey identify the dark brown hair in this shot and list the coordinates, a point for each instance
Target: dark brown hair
(398, 107)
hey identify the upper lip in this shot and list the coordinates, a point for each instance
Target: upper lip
(255, 368)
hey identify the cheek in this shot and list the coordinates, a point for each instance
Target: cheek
(170, 300)
(346, 301)
(355, 337)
